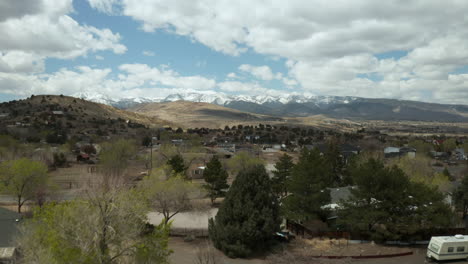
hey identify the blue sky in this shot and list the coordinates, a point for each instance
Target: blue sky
(154, 48)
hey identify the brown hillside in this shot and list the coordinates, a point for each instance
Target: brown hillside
(79, 107)
(193, 114)
(57, 118)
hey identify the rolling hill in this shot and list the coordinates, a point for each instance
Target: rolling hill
(341, 107)
(37, 117)
(194, 114)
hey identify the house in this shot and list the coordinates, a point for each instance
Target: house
(408, 151)
(57, 113)
(439, 155)
(196, 169)
(252, 137)
(392, 152)
(459, 154)
(346, 150)
(270, 149)
(197, 172)
(230, 147)
(82, 157)
(177, 142)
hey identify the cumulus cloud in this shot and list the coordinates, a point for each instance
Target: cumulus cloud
(109, 7)
(48, 31)
(328, 45)
(18, 8)
(148, 53)
(260, 72)
(134, 80)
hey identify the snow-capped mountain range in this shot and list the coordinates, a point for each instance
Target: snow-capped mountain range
(296, 105)
(215, 98)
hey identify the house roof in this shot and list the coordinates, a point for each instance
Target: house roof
(349, 148)
(407, 149)
(460, 150)
(391, 150)
(8, 226)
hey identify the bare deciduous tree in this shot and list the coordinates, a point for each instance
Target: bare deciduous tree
(171, 195)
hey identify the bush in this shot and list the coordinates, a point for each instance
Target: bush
(60, 160)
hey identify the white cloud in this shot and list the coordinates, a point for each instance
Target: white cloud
(148, 53)
(134, 80)
(328, 43)
(260, 72)
(289, 82)
(18, 61)
(48, 31)
(18, 8)
(98, 57)
(109, 7)
(232, 75)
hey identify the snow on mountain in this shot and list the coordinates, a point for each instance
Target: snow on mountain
(216, 98)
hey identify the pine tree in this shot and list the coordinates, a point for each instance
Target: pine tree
(447, 174)
(387, 205)
(307, 188)
(248, 217)
(216, 178)
(461, 197)
(281, 175)
(335, 162)
(177, 164)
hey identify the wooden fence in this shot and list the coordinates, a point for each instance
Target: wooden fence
(303, 231)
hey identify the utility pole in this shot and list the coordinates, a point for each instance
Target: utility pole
(151, 155)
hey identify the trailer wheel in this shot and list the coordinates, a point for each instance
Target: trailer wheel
(430, 259)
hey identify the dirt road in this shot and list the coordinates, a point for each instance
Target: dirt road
(186, 253)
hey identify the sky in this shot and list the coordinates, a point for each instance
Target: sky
(412, 50)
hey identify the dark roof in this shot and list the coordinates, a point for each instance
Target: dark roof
(8, 226)
(407, 149)
(349, 148)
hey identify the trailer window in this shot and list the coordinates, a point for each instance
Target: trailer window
(434, 247)
(450, 249)
(460, 249)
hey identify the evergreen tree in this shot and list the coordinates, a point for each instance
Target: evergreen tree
(387, 205)
(335, 163)
(281, 175)
(248, 217)
(461, 197)
(216, 178)
(447, 174)
(307, 188)
(177, 164)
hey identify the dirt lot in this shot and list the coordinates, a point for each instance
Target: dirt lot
(187, 252)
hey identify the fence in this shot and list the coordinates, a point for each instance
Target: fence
(184, 232)
(301, 230)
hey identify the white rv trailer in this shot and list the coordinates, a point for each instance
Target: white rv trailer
(448, 247)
